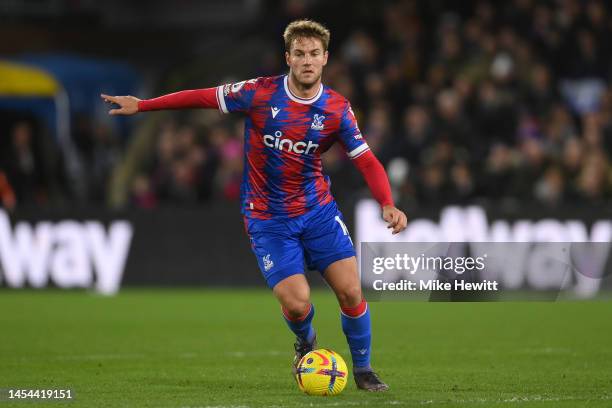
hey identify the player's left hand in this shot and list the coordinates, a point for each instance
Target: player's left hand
(395, 217)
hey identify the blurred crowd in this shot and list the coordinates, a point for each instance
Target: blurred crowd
(34, 172)
(510, 101)
(503, 101)
(187, 164)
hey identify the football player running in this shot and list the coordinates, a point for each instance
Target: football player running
(289, 212)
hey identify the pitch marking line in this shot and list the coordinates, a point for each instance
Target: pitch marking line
(517, 400)
(513, 400)
(272, 353)
(100, 356)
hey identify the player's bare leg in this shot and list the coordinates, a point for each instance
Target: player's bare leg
(293, 293)
(343, 277)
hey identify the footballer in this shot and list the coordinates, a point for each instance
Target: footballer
(289, 212)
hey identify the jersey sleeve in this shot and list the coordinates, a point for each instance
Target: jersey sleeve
(237, 97)
(349, 134)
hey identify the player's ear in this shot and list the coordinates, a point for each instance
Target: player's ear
(287, 58)
(325, 55)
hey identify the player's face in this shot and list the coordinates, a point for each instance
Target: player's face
(306, 60)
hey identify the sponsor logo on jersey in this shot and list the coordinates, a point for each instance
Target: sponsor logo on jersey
(358, 136)
(275, 111)
(317, 122)
(288, 145)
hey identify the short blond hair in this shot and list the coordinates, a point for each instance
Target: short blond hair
(305, 28)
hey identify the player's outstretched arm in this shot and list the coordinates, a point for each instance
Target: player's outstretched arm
(193, 98)
(376, 178)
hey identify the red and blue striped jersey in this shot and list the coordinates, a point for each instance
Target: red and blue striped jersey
(284, 138)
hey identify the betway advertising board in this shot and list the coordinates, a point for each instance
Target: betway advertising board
(66, 252)
(466, 249)
(103, 251)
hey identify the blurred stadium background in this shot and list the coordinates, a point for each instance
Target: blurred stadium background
(493, 120)
(482, 102)
(502, 108)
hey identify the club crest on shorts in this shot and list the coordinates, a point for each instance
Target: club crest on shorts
(268, 263)
(317, 122)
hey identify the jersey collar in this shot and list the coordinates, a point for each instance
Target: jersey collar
(297, 99)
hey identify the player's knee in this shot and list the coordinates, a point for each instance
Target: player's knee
(293, 294)
(350, 296)
(296, 308)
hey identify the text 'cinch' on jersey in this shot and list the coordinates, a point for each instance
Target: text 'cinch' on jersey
(276, 142)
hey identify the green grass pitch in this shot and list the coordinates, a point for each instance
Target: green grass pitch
(230, 348)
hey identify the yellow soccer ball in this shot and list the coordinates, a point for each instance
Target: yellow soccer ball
(321, 372)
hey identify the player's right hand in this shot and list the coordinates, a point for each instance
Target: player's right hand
(128, 105)
(395, 218)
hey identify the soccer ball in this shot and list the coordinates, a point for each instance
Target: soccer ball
(321, 372)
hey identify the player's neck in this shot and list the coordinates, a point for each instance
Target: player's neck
(302, 91)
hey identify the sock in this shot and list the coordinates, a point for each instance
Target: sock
(357, 328)
(302, 326)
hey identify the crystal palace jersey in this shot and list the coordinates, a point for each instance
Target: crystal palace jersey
(284, 138)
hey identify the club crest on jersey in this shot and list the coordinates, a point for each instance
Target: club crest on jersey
(317, 122)
(268, 263)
